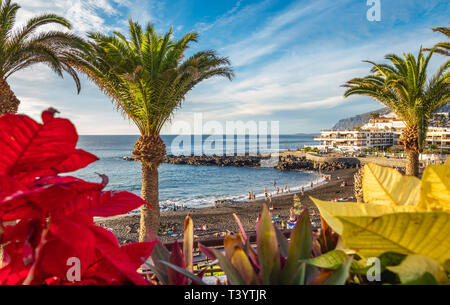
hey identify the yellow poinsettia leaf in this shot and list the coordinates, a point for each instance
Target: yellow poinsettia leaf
(384, 185)
(435, 193)
(330, 210)
(422, 233)
(414, 266)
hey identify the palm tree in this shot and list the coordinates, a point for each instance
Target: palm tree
(403, 87)
(442, 47)
(22, 48)
(147, 77)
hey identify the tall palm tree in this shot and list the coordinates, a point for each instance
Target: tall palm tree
(147, 77)
(442, 47)
(404, 88)
(24, 47)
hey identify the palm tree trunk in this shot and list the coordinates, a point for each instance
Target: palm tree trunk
(150, 151)
(412, 163)
(410, 140)
(149, 216)
(8, 101)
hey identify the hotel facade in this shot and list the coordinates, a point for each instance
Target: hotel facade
(379, 133)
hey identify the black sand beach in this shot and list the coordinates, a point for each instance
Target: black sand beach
(220, 219)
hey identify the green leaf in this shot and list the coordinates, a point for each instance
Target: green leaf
(299, 248)
(267, 245)
(232, 274)
(160, 253)
(425, 279)
(341, 274)
(331, 260)
(282, 242)
(300, 275)
(184, 272)
(414, 266)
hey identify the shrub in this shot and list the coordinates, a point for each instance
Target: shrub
(401, 215)
(47, 220)
(276, 260)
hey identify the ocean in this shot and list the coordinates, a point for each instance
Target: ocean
(192, 186)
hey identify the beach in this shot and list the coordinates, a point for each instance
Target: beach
(220, 219)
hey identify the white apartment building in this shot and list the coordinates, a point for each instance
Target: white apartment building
(439, 136)
(380, 132)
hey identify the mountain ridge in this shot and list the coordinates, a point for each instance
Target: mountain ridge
(361, 119)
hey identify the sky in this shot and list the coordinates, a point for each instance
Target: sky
(290, 57)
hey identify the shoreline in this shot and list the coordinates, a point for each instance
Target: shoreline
(220, 219)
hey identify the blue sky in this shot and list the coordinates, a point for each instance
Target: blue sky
(290, 57)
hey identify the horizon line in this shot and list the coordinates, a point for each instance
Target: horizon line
(281, 134)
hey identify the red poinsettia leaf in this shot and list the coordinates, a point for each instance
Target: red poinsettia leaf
(24, 211)
(27, 146)
(32, 239)
(47, 193)
(138, 253)
(9, 186)
(48, 115)
(17, 232)
(70, 183)
(15, 206)
(13, 271)
(67, 238)
(78, 159)
(104, 204)
(109, 247)
(56, 192)
(103, 273)
(177, 259)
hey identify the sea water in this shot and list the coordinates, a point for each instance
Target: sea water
(191, 186)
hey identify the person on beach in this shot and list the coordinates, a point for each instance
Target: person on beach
(312, 184)
(265, 192)
(303, 191)
(274, 183)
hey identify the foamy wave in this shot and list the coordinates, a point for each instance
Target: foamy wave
(210, 201)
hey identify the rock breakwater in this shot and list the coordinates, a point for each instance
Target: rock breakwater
(285, 163)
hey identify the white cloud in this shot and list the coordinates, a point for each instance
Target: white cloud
(85, 15)
(280, 66)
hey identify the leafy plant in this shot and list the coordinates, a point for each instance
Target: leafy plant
(175, 267)
(47, 219)
(401, 214)
(276, 260)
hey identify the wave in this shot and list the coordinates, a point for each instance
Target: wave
(209, 201)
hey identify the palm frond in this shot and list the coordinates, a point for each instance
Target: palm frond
(404, 88)
(146, 75)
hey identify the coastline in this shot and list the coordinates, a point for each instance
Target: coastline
(220, 218)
